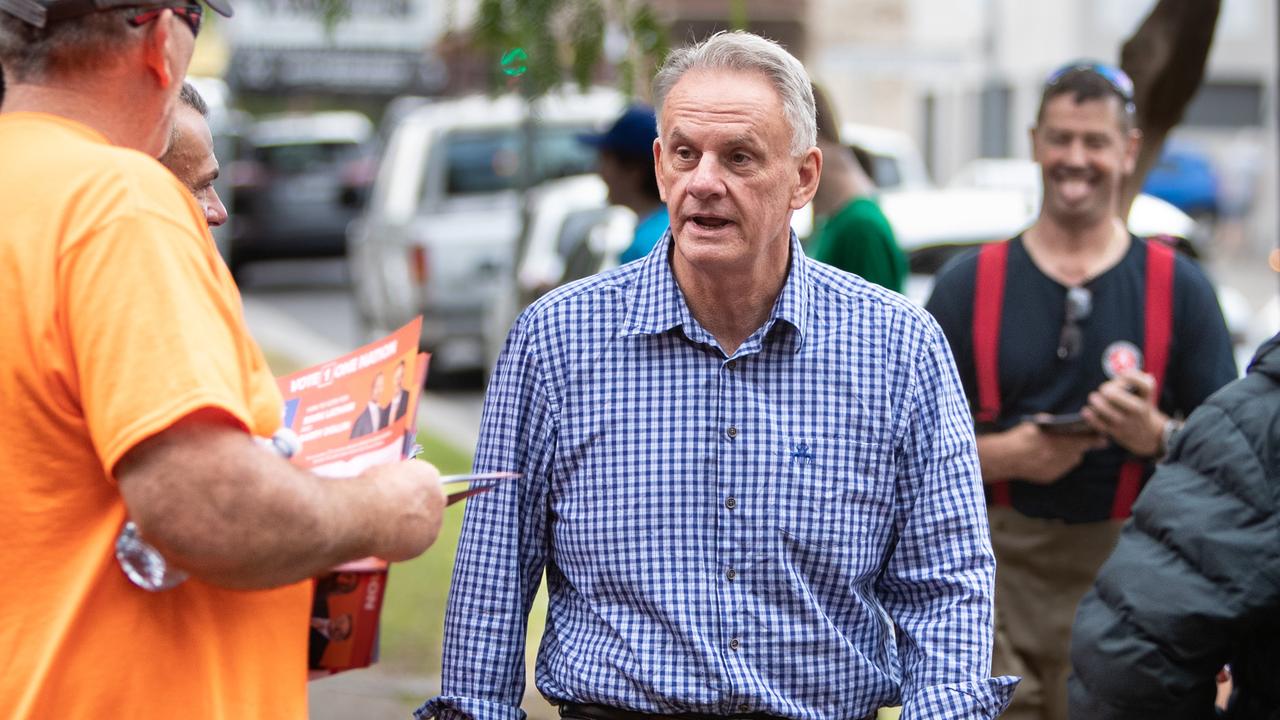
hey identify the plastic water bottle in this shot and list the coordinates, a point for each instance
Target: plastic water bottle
(145, 566)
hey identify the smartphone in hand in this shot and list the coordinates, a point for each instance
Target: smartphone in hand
(1065, 424)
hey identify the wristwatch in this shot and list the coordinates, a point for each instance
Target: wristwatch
(1171, 428)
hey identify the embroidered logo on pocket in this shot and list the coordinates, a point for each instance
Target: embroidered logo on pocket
(801, 454)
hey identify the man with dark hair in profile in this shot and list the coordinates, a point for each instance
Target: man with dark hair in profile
(851, 232)
(190, 153)
(136, 396)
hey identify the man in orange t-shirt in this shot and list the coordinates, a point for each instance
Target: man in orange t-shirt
(131, 389)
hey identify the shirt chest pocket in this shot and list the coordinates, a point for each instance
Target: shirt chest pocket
(834, 492)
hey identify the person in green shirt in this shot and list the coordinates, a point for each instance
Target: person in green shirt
(850, 231)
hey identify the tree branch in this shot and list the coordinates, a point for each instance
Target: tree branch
(1166, 58)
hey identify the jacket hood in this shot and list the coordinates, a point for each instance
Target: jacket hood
(1267, 359)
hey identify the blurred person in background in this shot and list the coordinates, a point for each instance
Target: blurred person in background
(190, 154)
(1075, 315)
(852, 232)
(741, 468)
(133, 390)
(1194, 582)
(626, 166)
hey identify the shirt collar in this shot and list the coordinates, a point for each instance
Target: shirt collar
(657, 305)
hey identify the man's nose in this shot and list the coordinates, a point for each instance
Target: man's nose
(215, 213)
(707, 180)
(1077, 154)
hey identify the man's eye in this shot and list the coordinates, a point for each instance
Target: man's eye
(739, 158)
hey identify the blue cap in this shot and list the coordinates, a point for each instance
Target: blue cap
(631, 136)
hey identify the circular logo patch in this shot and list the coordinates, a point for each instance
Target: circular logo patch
(1120, 357)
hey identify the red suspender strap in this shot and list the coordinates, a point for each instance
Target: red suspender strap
(1158, 333)
(1159, 330)
(988, 308)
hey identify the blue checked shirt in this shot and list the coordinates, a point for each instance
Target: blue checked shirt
(727, 535)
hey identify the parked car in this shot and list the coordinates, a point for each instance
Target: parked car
(440, 231)
(1184, 177)
(889, 156)
(299, 182)
(573, 232)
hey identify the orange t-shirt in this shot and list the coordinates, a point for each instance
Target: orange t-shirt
(117, 318)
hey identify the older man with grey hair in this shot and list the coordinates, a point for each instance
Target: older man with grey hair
(749, 478)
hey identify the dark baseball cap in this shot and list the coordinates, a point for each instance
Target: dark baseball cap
(631, 136)
(42, 12)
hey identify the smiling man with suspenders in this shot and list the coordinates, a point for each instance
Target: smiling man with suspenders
(1079, 345)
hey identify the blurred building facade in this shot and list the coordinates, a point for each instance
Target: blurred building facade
(380, 49)
(964, 76)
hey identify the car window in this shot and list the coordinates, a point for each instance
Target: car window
(298, 158)
(488, 161)
(885, 172)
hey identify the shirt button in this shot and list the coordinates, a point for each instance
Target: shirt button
(731, 573)
(731, 502)
(733, 644)
(732, 432)
(731, 364)
(744, 708)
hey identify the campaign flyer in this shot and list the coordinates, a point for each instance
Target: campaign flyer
(354, 412)
(349, 414)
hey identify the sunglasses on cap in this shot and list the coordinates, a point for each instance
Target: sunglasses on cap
(1118, 79)
(192, 14)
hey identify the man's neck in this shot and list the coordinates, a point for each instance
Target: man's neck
(113, 114)
(1073, 256)
(732, 305)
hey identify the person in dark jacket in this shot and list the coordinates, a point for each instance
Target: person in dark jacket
(1195, 580)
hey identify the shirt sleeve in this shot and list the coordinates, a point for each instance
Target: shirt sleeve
(938, 584)
(951, 304)
(1200, 359)
(882, 260)
(502, 551)
(154, 332)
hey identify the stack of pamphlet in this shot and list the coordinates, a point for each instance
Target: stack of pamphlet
(352, 413)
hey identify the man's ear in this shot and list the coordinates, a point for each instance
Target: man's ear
(1133, 147)
(657, 168)
(810, 173)
(158, 51)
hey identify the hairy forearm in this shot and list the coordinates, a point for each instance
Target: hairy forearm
(238, 516)
(996, 458)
